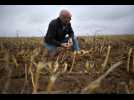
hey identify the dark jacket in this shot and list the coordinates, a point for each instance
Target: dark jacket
(55, 33)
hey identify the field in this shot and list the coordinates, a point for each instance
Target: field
(105, 64)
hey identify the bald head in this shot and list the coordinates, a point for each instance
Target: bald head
(65, 16)
(65, 13)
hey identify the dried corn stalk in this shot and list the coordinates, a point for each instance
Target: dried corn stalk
(74, 55)
(93, 85)
(51, 82)
(129, 58)
(107, 57)
(65, 67)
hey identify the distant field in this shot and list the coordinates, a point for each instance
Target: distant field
(105, 64)
(113, 36)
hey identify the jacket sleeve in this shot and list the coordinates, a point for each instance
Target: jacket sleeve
(51, 33)
(71, 32)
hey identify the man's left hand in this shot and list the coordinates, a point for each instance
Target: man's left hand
(70, 41)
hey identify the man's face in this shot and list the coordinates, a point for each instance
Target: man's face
(66, 19)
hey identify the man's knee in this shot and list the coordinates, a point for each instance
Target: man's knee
(51, 49)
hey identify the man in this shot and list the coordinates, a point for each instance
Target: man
(57, 33)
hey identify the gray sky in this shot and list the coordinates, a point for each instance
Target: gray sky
(33, 20)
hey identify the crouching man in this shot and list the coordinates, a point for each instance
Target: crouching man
(57, 32)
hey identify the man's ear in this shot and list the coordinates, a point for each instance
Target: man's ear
(62, 18)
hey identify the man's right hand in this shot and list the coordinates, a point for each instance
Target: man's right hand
(66, 45)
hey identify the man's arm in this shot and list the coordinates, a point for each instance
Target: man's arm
(71, 32)
(50, 36)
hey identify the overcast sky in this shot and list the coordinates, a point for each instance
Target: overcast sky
(33, 20)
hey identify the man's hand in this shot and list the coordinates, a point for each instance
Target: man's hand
(66, 45)
(70, 41)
